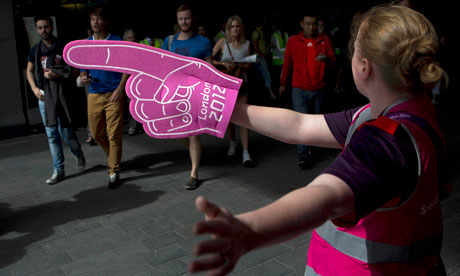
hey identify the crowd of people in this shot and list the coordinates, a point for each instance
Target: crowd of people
(350, 203)
(308, 72)
(279, 63)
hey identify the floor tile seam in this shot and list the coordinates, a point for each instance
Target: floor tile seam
(450, 244)
(265, 262)
(94, 256)
(282, 263)
(169, 261)
(455, 217)
(41, 257)
(110, 237)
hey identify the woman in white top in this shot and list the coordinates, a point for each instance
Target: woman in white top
(231, 49)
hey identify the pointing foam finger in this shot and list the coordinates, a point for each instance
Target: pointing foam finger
(88, 54)
(122, 56)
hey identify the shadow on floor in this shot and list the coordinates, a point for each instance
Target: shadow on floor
(21, 228)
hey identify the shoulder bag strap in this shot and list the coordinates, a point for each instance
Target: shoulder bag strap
(229, 50)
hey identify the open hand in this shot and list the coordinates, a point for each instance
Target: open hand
(230, 239)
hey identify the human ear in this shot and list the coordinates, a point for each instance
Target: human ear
(365, 68)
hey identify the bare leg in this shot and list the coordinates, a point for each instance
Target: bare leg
(195, 154)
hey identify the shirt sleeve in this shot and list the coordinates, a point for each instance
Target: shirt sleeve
(166, 43)
(378, 167)
(339, 122)
(31, 56)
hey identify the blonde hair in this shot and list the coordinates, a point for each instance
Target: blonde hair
(402, 42)
(228, 27)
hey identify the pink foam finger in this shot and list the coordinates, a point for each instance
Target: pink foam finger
(143, 87)
(171, 95)
(123, 56)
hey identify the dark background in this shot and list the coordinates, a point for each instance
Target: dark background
(160, 16)
(72, 15)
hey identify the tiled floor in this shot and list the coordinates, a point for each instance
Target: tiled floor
(79, 227)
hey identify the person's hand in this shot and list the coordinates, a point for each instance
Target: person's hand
(230, 239)
(230, 66)
(116, 95)
(50, 74)
(85, 78)
(282, 89)
(171, 95)
(38, 93)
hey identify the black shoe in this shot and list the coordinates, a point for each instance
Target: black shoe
(56, 177)
(114, 181)
(81, 162)
(248, 164)
(192, 183)
(91, 141)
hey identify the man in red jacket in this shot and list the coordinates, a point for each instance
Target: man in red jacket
(306, 57)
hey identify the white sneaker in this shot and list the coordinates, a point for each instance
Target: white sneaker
(232, 148)
(56, 177)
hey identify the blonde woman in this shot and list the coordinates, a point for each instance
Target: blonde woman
(226, 53)
(376, 209)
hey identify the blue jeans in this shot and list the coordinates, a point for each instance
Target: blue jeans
(262, 66)
(54, 134)
(307, 102)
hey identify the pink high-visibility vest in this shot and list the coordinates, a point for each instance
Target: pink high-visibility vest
(399, 238)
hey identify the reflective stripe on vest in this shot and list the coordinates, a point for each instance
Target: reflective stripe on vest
(158, 43)
(219, 35)
(144, 41)
(280, 44)
(374, 252)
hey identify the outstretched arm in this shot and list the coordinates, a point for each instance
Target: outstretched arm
(326, 197)
(285, 125)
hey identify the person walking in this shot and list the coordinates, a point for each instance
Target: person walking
(306, 58)
(231, 49)
(261, 49)
(106, 101)
(188, 43)
(49, 78)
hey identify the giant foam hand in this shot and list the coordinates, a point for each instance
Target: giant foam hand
(173, 96)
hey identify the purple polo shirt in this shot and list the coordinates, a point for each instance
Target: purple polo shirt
(376, 165)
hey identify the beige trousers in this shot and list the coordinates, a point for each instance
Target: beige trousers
(106, 124)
